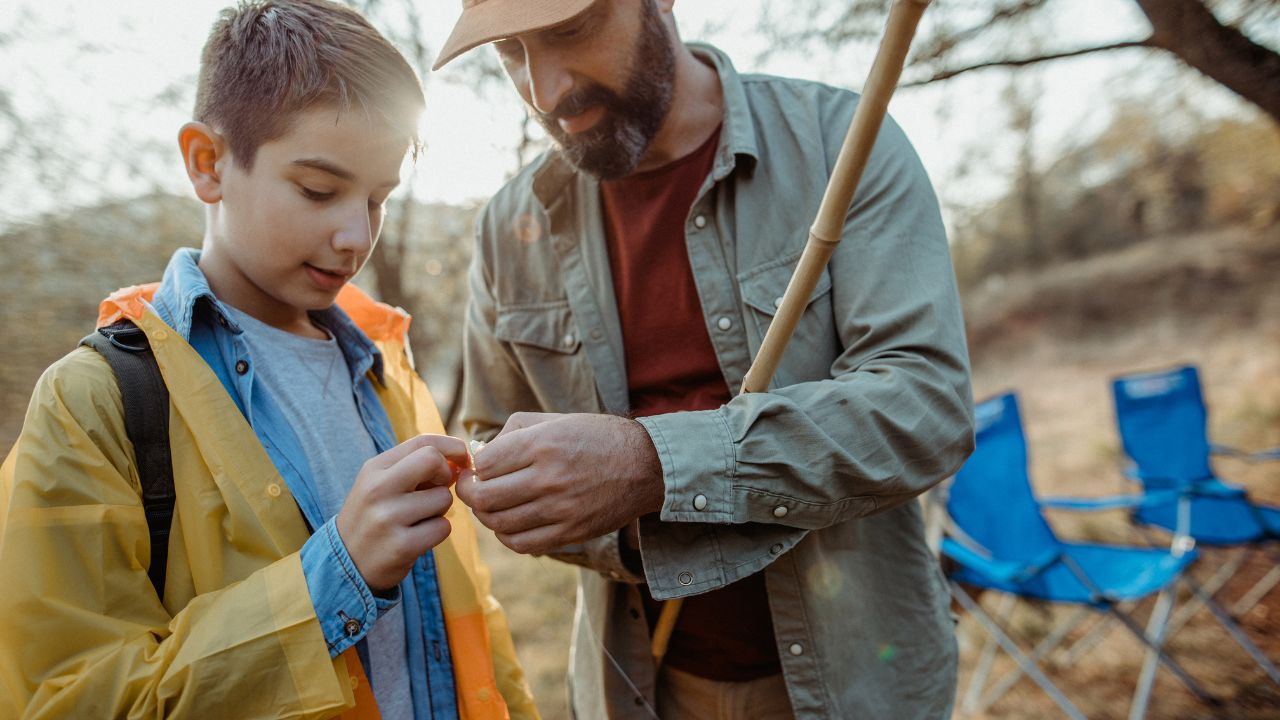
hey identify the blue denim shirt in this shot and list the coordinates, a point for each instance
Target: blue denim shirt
(343, 602)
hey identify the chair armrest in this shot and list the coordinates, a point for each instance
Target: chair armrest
(1111, 502)
(1259, 456)
(1007, 571)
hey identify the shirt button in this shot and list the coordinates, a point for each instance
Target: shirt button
(780, 511)
(724, 323)
(273, 490)
(685, 578)
(796, 649)
(351, 627)
(777, 548)
(242, 367)
(700, 221)
(222, 320)
(699, 502)
(569, 339)
(777, 302)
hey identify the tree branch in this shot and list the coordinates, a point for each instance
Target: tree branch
(1032, 60)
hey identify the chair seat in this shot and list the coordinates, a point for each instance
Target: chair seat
(1218, 520)
(1121, 573)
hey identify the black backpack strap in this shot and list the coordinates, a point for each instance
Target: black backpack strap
(146, 420)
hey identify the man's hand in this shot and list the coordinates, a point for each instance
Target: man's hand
(395, 511)
(551, 480)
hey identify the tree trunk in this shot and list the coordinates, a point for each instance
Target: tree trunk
(1189, 30)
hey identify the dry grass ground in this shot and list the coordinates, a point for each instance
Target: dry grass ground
(1057, 337)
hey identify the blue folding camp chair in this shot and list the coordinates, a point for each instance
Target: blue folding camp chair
(1162, 421)
(999, 540)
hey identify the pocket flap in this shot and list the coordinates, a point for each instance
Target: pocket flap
(763, 286)
(548, 326)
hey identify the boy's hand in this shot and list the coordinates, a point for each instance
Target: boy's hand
(395, 511)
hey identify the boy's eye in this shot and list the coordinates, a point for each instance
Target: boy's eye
(315, 195)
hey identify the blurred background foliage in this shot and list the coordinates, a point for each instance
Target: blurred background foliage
(1146, 239)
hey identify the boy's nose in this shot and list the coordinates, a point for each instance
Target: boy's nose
(355, 235)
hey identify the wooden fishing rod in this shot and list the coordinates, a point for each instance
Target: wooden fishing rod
(827, 229)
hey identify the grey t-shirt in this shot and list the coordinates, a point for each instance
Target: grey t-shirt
(310, 382)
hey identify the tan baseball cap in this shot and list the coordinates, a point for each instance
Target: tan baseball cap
(484, 21)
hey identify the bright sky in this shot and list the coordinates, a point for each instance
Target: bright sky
(105, 97)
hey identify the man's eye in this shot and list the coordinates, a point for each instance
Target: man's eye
(315, 195)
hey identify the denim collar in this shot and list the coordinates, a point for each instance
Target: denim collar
(185, 298)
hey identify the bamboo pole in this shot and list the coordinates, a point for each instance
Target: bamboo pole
(827, 229)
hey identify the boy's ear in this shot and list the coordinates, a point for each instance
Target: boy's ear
(204, 152)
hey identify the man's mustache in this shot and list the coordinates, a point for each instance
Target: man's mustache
(578, 101)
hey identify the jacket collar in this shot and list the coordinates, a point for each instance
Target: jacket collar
(184, 298)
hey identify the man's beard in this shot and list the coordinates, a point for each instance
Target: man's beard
(619, 140)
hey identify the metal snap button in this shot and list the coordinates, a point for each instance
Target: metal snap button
(777, 548)
(796, 649)
(700, 221)
(699, 502)
(569, 339)
(273, 490)
(242, 367)
(724, 323)
(780, 511)
(685, 578)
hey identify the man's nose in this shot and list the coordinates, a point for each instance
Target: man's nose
(549, 81)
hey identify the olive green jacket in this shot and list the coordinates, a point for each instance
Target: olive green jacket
(812, 483)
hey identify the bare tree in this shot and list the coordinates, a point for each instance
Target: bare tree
(1223, 39)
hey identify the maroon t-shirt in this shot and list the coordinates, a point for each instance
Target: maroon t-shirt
(725, 634)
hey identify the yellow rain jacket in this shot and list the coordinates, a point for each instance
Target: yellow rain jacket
(82, 633)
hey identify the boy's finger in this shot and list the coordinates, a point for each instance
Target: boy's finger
(401, 451)
(414, 507)
(425, 466)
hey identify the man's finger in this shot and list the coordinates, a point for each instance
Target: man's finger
(537, 541)
(522, 420)
(517, 519)
(506, 453)
(501, 493)
(428, 534)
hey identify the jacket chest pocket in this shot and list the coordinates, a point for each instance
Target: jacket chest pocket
(815, 344)
(544, 340)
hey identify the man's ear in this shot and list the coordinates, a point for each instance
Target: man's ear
(205, 153)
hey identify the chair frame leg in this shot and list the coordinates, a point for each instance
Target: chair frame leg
(1156, 625)
(1169, 663)
(1010, 647)
(1234, 630)
(1042, 649)
(972, 696)
(1258, 591)
(1211, 588)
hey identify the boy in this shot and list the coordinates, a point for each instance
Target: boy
(300, 567)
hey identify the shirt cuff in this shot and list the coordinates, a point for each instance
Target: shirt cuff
(697, 477)
(344, 605)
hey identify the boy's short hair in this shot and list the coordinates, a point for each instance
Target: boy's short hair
(267, 60)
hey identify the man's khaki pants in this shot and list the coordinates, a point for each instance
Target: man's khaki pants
(682, 696)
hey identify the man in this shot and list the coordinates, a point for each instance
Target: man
(631, 272)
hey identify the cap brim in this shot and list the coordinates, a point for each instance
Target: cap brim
(492, 20)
